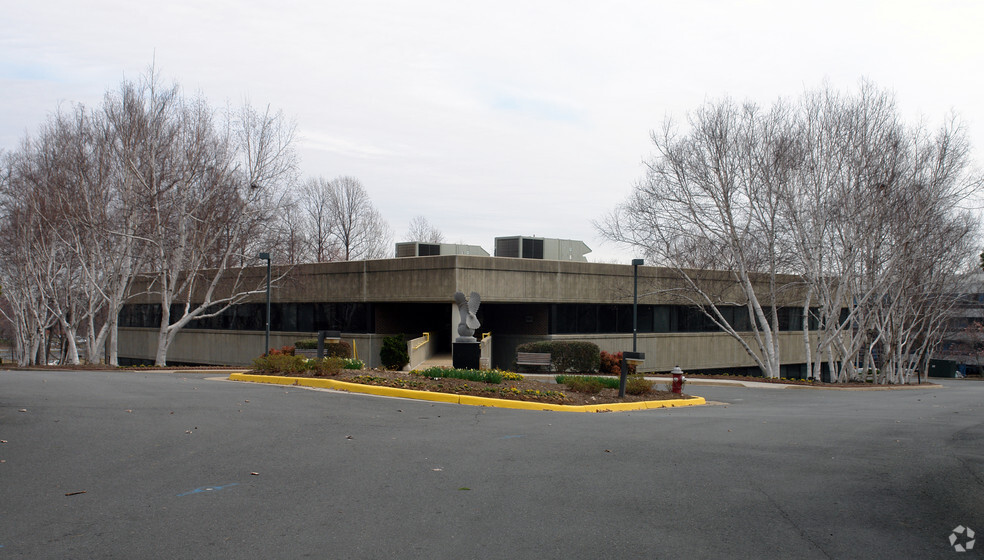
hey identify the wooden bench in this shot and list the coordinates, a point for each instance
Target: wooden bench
(532, 359)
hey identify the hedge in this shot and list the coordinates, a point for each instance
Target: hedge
(341, 349)
(567, 355)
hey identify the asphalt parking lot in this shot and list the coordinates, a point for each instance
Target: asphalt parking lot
(161, 465)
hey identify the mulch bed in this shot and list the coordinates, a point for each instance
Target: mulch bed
(524, 390)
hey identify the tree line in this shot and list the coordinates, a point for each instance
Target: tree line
(160, 186)
(830, 200)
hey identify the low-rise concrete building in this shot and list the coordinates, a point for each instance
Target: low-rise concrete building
(523, 300)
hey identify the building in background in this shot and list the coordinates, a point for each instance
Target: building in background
(524, 299)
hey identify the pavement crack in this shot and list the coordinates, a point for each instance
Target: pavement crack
(789, 519)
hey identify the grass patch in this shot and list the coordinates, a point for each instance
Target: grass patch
(587, 383)
(481, 376)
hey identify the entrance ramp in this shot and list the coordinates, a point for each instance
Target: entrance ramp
(437, 360)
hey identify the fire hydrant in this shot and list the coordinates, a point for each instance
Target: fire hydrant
(678, 380)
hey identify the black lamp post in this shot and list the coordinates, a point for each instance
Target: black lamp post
(266, 343)
(636, 263)
(633, 357)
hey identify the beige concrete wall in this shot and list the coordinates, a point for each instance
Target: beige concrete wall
(664, 351)
(504, 280)
(691, 351)
(497, 279)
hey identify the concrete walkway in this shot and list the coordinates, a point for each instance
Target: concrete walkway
(550, 378)
(666, 380)
(437, 360)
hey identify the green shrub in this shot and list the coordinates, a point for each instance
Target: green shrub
(638, 385)
(353, 363)
(326, 366)
(340, 349)
(394, 354)
(567, 355)
(279, 363)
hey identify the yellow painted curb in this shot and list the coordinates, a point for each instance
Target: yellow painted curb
(275, 379)
(460, 399)
(519, 405)
(676, 402)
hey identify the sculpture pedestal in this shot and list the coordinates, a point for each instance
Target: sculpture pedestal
(465, 355)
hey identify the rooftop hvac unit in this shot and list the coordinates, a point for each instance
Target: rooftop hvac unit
(541, 248)
(418, 249)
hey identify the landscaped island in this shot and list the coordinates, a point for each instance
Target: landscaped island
(566, 389)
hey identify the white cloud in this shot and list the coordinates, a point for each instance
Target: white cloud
(536, 114)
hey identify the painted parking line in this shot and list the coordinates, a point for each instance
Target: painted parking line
(208, 489)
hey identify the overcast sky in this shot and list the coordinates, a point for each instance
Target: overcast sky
(495, 118)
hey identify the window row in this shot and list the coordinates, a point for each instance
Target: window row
(298, 317)
(588, 318)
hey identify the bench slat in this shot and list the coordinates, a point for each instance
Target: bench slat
(532, 359)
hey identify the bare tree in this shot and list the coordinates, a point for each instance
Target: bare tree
(709, 201)
(153, 184)
(361, 232)
(317, 199)
(209, 189)
(342, 222)
(290, 235)
(422, 231)
(23, 263)
(879, 230)
(836, 190)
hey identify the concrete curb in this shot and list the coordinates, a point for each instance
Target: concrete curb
(459, 399)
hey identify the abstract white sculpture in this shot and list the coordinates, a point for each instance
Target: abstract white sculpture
(469, 321)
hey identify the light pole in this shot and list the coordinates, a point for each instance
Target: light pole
(636, 263)
(632, 358)
(266, 343)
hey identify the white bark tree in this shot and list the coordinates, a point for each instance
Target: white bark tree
(710, 201)
(23, 263)
(835, 189)
(209, 189)
(154, 184)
